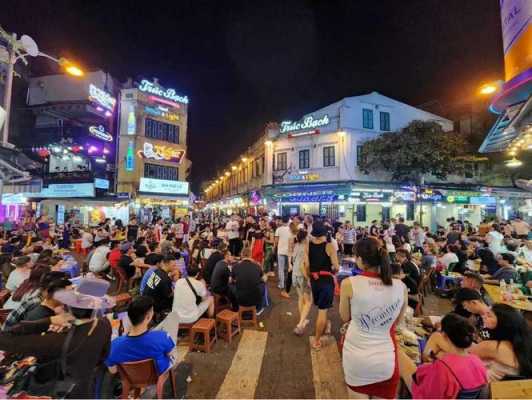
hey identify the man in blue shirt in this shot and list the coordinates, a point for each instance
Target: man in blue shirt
(141, 343)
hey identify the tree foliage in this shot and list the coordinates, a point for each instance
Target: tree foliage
(420, 148)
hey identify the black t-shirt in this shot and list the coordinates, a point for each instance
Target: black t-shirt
(411, 271)
(453, 237)
(220, 277)
(210, 265)
(402, 230)
(125, 263)
(159, 288)
(132, 232)
(248, 283)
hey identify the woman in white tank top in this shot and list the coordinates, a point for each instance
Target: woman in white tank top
(373, 302)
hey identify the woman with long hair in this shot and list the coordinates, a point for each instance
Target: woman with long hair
(509, 350)
(301, 280)
(29, 288)
(372, 302)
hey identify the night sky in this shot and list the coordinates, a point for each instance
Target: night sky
(244, 63)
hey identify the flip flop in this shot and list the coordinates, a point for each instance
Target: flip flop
(316, 346)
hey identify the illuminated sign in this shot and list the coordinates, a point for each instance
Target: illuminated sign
(307, 123)
(162, 112)
(430, 195)
(100, 133)
(483, 200)
(131, 121)
(130, 156)
(65, 190)
(457, 199)
(161, 153)
(101, 97)
(170, 94)
(163, 186)
(404, 196)
(371, 196)
(304, 133)
(100, 183)
(303, 176)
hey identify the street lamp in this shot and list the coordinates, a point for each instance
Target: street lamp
(19, 49)
(490, 88)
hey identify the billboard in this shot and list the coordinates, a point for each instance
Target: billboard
(163, 186)
(516, 20)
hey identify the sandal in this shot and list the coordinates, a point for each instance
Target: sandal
(316, 346)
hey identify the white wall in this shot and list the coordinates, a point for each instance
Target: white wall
(346, 116)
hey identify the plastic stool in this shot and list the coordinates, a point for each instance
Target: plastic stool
(230, 324)
(204, 329)
(243, 310)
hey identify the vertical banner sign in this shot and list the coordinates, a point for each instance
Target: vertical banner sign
(130, 156)
(60, 214)
(131, 120)
(516, 19)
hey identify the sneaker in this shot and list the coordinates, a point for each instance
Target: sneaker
(259, 312)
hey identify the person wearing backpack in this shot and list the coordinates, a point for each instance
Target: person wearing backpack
(456, 375)
(191, 299)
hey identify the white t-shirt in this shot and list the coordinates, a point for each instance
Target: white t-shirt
(86, 240)
(98, 261)
(284, 234)
(495, 242)
(185, 302)
(448, 259)
(232, 230)
(15, 279)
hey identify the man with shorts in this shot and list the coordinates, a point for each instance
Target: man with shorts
(323, 261)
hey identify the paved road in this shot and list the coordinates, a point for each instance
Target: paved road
(271, 362)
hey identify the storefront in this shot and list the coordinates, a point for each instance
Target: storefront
(161, 198)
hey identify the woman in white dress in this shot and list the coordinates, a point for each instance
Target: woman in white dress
(373, 303)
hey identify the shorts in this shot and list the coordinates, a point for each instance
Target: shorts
(301, 284)
(323, 292)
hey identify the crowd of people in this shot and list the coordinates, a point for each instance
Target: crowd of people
(178, 271)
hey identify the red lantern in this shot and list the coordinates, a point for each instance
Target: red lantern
(43, 152)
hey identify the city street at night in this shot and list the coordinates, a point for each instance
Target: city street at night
(294, 199)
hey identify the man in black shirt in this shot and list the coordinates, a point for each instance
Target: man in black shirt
(213, 259)
(401, 230)
(220, 279)
(132, 230)
(159, 286)
(249, 286)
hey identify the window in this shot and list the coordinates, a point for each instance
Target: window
(304, 159)
(360, 155)
(161, 172)
(367, 118)
(328, 156)
(385, 121)
(280, 164)
(161, 131)
(361, 212)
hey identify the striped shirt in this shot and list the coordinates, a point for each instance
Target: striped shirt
(350, 236)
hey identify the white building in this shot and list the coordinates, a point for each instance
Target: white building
(311, 166)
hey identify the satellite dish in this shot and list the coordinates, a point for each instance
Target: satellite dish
(29, 45)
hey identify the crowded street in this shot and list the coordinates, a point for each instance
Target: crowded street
(266, 200)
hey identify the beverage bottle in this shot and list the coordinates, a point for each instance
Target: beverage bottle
(131, 122)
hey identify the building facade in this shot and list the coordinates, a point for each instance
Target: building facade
(152, 149)
(312, 166)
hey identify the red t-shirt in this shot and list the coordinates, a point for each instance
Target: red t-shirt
(114, 257)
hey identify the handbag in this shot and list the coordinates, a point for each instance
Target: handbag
(199, 299)
(58, 387)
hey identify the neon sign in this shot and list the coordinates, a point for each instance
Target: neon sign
(304, 133)
(150, 87)
(307, 123)
(130, 157)
(162, 112)
(161, 153)
(100, 133)
(101, 97)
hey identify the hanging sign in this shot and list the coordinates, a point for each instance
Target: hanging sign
(101, 97)
(100, 133)
(307, 123)
(161, 152)
(153, 88)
